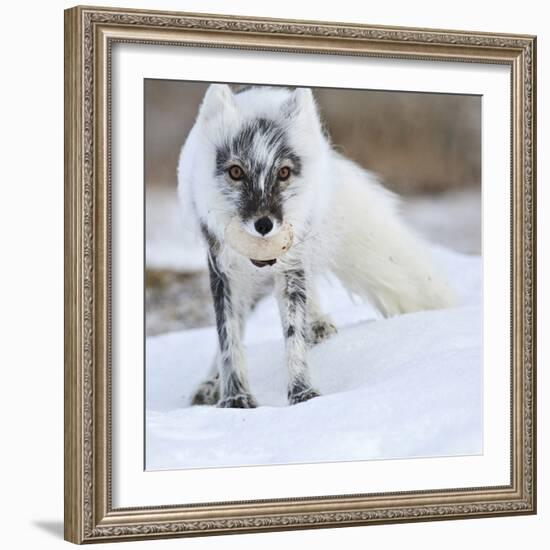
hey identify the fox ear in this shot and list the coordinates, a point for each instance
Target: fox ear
(300, 102)
(218, 99)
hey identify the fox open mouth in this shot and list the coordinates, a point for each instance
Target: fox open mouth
(262, 263)
(260, 250)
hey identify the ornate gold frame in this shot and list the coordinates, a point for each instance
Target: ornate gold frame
(89, 35)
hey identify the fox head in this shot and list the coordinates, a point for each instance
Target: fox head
(257, 155)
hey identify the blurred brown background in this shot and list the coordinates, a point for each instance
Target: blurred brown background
(417, 142)
(426, 147)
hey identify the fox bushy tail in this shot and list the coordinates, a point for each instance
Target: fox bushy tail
(373, 253)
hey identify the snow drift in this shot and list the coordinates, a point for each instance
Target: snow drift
(409, 386)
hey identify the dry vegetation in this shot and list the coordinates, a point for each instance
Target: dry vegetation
(416, 142)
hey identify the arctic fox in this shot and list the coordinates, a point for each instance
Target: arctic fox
(262, 157)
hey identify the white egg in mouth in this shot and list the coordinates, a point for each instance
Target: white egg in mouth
(261, 251)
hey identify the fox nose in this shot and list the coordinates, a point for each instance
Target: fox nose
(263, 225)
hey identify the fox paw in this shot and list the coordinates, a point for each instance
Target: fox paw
(320, 330)
(238, 401)
(299, 395)
(208, 393)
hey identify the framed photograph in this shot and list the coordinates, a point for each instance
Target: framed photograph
(300, 274)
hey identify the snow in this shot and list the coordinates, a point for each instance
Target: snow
(409, 386)
(170, 244)
(451, 219)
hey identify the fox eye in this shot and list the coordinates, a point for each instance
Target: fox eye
(284, 173)
(235, 172)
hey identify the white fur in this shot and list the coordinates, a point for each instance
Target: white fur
(371, 250)
(198, 191)
(345, 221)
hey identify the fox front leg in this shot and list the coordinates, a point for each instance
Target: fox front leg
(233, 382)
(292, 297)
